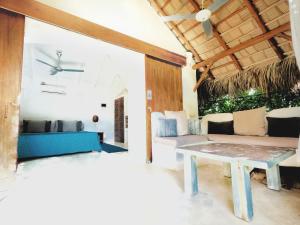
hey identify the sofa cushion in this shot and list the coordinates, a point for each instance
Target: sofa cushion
(284, 127)
(220, 127)
(167, 128)
(182, 121)
(250, 122)
(194, 126)
(68, 126)
(285, 112)
(36, 126)
(180, 140)
(255, 140)
(217, 117)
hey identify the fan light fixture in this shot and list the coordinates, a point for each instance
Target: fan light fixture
(203, 15)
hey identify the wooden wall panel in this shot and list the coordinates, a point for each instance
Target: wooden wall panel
(11, 56)
(165, 81)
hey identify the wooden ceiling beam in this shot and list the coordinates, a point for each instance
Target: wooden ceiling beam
(285, 36)
(204, 76)
(246, 44)
(259, 20)
(175, 29)
(221, 41)
(225, 46)
(165, 4)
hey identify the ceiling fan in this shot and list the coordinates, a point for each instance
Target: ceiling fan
(202, 16)
(57, 68)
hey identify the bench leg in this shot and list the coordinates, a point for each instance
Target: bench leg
(190, 175)
(241, 189)
(273, 178)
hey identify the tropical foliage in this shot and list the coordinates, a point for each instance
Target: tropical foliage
(249, 100)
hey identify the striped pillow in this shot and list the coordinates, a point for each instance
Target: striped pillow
(194, 126)
(167, 128)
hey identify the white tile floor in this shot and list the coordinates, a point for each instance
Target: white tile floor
(98, 188)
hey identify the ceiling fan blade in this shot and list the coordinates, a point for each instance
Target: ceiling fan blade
(207, 27)
(53, 72)
(72, 70)
(179, 17)
(216, 5)
(41, 61)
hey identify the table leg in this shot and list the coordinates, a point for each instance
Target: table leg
(190, 175)
(227, 170)
(273, 178)
(241, 189)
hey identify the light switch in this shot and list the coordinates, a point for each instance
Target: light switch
(149, 94)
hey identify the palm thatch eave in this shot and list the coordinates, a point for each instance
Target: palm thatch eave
(279, 76)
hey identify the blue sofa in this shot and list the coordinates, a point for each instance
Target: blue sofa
(32, 145)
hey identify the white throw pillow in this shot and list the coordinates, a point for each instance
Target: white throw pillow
(182, 121)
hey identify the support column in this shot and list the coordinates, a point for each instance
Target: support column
(190, 175)
(241, 189)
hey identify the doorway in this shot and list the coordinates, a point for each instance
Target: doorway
(119, 120)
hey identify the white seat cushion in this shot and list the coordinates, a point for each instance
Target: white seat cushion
(255, 140)
(180, 140)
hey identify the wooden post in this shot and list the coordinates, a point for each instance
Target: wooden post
(241, 191)
(273, 178)
(190, 175)
(11, 56)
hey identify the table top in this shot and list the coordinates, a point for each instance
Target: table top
(252, 155)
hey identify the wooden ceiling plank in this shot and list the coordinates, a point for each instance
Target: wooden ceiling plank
(223, 65)
(191, 28)
(231, 15)
(176, 29)
(277, 18)
(259, 20)
(246, 44)
(271, 6)
(181, 7)
(219, 38)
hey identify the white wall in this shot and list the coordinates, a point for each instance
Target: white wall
(108, 71)
(137, 19)
(132, 17)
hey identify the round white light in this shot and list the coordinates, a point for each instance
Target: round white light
(203, 15)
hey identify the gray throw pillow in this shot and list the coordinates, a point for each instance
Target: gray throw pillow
(69, 126)
(36, 126)
(167, 128)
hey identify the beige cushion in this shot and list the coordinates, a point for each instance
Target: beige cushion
(285, 112)
(180, 140)
(255, 140)
(217, 117)
(182, 121)
(250, 122)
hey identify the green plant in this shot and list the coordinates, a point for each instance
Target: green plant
(249, 100)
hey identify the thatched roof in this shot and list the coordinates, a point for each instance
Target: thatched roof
(282, 76)
(234, 23)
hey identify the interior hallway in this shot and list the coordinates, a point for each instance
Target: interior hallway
(100, 188)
